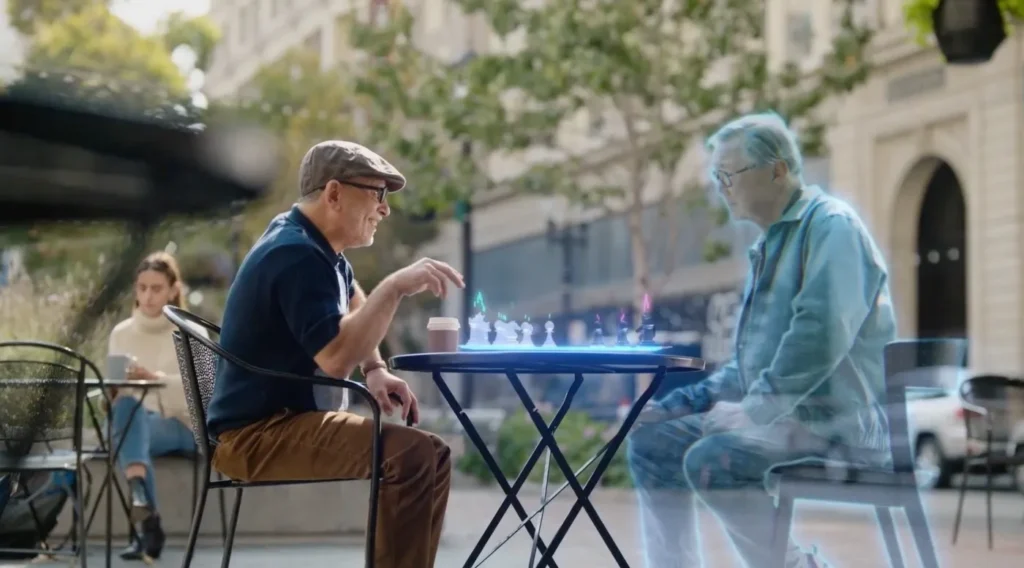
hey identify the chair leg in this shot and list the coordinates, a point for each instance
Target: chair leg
(988, 496)
(83, 552)
(223, 513)
(195, 482)
(197, 520)
(782, 525)
(375, 467)
(892, 542)
(960, 500)
(230, 541)
(922, 534)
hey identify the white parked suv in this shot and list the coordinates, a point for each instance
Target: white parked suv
(936, 421)
(938, 436)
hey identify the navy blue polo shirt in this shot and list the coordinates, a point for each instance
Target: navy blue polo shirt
(283, 308)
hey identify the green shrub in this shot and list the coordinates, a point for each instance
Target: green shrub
(41, 310)
(578, 436)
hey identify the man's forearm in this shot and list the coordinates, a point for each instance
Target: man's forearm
(374, 361)
(362, 330)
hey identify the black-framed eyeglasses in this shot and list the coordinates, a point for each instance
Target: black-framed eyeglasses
(724, 178)
(382, 192)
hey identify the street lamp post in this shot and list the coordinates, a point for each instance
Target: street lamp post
(464, 214)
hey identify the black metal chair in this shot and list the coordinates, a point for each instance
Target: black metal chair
(883, 489)
(197, 357)
(39, 383)
(987, 401)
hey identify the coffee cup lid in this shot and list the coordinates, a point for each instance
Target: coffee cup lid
(443, 323)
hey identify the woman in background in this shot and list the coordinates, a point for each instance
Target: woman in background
(160, 427)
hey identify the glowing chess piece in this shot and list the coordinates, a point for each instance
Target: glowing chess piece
(500, 332)
(646, 330)
(622, 338)
(512, 332)
(549, 328)
(527, 329)
(479, 329)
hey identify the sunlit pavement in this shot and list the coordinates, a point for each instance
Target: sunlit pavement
(847, 536)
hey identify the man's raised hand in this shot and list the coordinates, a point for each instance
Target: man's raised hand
(426, 274)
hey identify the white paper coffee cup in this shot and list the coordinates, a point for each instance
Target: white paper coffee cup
(443, 334)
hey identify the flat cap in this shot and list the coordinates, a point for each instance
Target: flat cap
(341, 160)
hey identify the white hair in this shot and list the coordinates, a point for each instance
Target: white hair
(766, 140)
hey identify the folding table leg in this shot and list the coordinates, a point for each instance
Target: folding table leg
(489, 460)
(583, 493)
(524, 472)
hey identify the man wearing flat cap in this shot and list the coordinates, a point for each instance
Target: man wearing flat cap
(295, 307)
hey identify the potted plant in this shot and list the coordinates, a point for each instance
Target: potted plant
(919, 15)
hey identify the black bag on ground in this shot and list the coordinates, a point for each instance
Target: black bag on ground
(31, 511)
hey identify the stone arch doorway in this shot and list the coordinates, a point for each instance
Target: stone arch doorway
(929, 239)
(942, 257)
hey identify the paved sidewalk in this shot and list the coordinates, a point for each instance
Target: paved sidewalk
(848, 536)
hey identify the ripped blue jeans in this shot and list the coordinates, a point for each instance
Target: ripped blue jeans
(149, 435)
(673, 464)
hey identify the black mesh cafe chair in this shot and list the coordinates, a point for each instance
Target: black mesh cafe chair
(882, 489)
(197, 357)
(990, 403)
(42, 396)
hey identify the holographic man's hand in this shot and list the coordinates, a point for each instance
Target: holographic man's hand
(655, 412)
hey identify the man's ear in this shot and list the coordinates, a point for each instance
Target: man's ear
(780, 170)
(332, 192)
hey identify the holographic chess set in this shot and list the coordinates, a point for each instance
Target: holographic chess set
(513, 336)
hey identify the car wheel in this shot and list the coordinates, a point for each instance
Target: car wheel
(930, 465)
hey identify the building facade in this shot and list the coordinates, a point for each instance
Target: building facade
(260, 32)
(927, 152)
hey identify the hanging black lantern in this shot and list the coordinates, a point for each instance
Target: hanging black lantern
(968, 31)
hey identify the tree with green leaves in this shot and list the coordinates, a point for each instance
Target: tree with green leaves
(81, 54)
(651, 77)
(25, 15)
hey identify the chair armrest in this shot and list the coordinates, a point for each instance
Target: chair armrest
(334, 383)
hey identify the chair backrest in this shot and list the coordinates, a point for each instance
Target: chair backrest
(42, 392)
(1000, 397)
(198, 366)
(902, 357)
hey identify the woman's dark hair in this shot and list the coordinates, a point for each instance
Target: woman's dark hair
(165, 264)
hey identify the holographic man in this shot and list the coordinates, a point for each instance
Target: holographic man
(806, 371)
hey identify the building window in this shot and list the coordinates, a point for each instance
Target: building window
(799, 36)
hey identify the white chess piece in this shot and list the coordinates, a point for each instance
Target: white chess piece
(500, 332)
(549, 327)
(527, 329)
(479, 328)
(512, 331)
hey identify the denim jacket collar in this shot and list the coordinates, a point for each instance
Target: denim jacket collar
(792, 214)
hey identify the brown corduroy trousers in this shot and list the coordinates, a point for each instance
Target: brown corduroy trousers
(415, 473)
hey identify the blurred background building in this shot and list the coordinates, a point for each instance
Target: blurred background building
(10, 46)
(916, 149)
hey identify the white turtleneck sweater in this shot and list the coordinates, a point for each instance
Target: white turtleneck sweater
(149, 340)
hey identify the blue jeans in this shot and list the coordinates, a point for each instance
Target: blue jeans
(673, 463)
(150, 435)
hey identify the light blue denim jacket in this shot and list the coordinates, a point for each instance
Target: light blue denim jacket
(815, 317)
